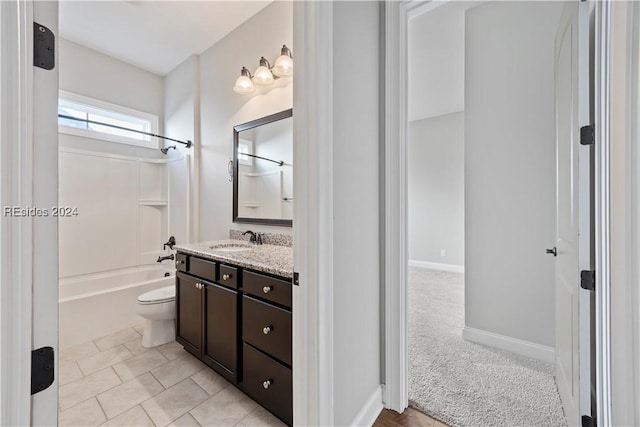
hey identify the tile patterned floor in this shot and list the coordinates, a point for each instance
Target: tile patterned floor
(114, 381)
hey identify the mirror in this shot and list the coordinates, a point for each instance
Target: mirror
(263, 170)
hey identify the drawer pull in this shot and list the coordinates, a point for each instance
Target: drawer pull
(267, 384)
(267, 329)
(199, 285)
(178, 262)
(226, 276)
(267, 289)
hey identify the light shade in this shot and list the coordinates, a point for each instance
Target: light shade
(263, 75)
(283, 66)
(244, 84)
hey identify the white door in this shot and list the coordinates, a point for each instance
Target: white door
(572, 112)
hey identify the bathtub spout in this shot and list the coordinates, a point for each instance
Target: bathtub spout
(163, 258)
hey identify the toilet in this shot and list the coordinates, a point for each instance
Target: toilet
(158, 308)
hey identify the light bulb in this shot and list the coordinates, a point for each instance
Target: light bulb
(283, 66)
(263, 75)
(244, 84)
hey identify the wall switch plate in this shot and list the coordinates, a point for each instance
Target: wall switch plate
(443, 252)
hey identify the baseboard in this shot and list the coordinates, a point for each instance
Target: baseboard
(436, 266)
(514, 345)
(370, 411)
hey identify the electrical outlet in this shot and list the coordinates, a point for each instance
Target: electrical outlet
(443, 252)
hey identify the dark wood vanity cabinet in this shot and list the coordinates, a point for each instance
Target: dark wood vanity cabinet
(207, 317)
(238, 322)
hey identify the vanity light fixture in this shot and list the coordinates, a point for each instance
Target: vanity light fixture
(244, 84)
(265, 74)
(283, 66)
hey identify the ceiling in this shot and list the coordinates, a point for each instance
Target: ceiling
(153, 35)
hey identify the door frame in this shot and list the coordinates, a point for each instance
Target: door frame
(16, 189)
(395, 190)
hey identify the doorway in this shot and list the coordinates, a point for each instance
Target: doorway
(509, 181)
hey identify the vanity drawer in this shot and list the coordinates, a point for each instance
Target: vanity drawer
(268, 382)
(267, 327)
(202, 268)
(228, 276)
(275, 290)
(181, 262)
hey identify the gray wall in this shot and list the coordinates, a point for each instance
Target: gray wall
(221, 108)
(436, 189)
(356, 199)
(510, 169)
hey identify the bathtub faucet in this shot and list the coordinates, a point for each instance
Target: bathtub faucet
(163, 258)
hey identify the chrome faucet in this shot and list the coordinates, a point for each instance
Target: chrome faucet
(164, 258)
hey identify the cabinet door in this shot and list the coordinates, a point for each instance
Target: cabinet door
(189, 313)
(221, 333)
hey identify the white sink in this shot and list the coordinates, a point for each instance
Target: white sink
(232, 247)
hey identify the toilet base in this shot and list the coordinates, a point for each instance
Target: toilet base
(158, 332)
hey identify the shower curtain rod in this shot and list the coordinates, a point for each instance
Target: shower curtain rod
(93, 122)
(278, 162)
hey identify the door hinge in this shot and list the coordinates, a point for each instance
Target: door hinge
(588, 280)
(588, 421)
(42, 369)
(296, 278)
(44, 45)
(587, 135)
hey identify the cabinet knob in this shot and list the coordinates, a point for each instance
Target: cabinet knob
(267, 289)
(199, 285)
(266, 384)
(226, 276)
(267, 329)
(178, 262)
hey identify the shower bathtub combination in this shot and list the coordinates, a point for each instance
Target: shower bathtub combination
(97, 304)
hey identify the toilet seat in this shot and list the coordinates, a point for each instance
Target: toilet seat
(158, 296)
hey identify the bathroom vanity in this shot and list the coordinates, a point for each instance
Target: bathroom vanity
(233, 309)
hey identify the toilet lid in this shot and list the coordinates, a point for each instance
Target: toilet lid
(168, 293)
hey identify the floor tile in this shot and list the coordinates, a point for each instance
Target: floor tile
(104, 359)
(68, 372)
(116, 338)
(210, 381)
(139, 328)
(84, 388)
(87, 413)
(260, 417)
(135, 416)
(186, 420)
(80, 351)
(171, 350)
(127, 395)
(139, 364)
(135, 346)
(177, 370)
(224, 409)
(174, 402)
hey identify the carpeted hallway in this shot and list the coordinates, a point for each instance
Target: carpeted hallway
(465, 384)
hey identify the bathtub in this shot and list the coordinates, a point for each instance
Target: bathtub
(95, 305)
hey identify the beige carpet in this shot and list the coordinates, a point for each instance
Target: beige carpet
(465, 384)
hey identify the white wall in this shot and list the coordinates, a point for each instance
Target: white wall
(222, 109)
(356, 103)
(510, 169)
(436, 61)
(436, 189)
(182, 118)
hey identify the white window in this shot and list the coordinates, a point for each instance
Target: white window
(245, 147)
(91, 112)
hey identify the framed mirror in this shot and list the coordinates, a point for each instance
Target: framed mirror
(263, 170)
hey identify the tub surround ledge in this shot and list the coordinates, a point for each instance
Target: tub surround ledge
(271, 259)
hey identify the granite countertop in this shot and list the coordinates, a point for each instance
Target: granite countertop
(271, 259)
